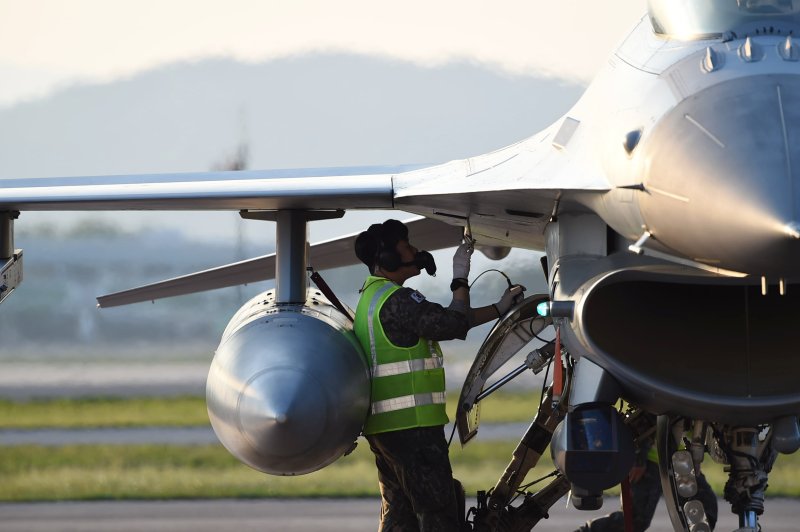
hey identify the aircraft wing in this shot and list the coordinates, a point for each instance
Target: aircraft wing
(519, 185)
(505, 198)
(508, 196)
(321, 188)
(426, 233)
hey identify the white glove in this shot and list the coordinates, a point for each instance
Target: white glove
(461, 261)
(511, 297)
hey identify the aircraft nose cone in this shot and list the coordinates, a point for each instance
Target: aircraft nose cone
(282, 411)
(722, 176)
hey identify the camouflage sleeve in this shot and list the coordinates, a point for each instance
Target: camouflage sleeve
(407, 316)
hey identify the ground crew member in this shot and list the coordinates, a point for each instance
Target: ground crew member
(399, 330)
(645, 492)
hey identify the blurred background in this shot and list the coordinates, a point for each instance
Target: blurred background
(143, 87)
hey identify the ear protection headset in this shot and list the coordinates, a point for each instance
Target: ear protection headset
(387, 258)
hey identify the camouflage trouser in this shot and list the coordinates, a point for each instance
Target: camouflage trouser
(645, 494)
(417, 487)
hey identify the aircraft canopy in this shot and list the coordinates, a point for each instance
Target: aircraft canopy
(692, 19)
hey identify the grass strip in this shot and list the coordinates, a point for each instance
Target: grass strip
(191, 411)
(97, 472)
(103, 412)
(101, 472)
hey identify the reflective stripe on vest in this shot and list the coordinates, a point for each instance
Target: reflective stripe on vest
(370, 317)
(408, 387)
(409, 401)
(406, 366)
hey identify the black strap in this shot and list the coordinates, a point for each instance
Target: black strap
(326, 290)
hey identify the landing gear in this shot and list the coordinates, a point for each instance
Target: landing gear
(10, 258)
(747, 452)
(494, 511)
(750, 457)
(679, 459)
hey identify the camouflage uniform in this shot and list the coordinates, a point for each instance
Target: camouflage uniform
(417, 487)
(418, 491)
(645, 494)
(407, 316)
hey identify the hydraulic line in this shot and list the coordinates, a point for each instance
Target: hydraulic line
(558, 370)
(627, 504)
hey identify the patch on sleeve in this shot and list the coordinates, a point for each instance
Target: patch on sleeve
(416, 296)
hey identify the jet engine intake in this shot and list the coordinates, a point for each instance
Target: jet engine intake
(288, 390)
(706, 348)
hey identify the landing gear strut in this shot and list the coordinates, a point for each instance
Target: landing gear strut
(747, 452)
(750, 458)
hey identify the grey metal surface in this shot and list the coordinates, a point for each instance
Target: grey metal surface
(786, 435)
(6, 235)
(737, 145)
(288, 389)
(291, 256)
(270, 189)
(593, 384)
(425, 233)
(10, 274)
(665, 445)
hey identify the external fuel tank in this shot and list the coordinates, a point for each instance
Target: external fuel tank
(288, 389)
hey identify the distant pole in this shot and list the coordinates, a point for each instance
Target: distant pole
(236, 163)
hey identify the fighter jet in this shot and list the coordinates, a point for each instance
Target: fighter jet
(667, 202)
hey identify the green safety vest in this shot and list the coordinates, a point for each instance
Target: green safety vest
(652, 454)
(408, 387)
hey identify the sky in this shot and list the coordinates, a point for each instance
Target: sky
(49, 44)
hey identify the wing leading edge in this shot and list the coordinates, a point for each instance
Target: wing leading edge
(345, 188)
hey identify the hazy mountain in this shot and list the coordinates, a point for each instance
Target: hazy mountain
(310, 111)
(301, 112)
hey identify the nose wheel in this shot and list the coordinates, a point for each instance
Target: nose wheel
(748, 454)
(683, 486)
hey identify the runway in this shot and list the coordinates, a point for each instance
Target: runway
(181, 435)
(306, 515)
(25, 381)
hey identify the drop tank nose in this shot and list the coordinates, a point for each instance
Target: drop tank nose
(288, 390)
(722, 176)
(283, 410)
